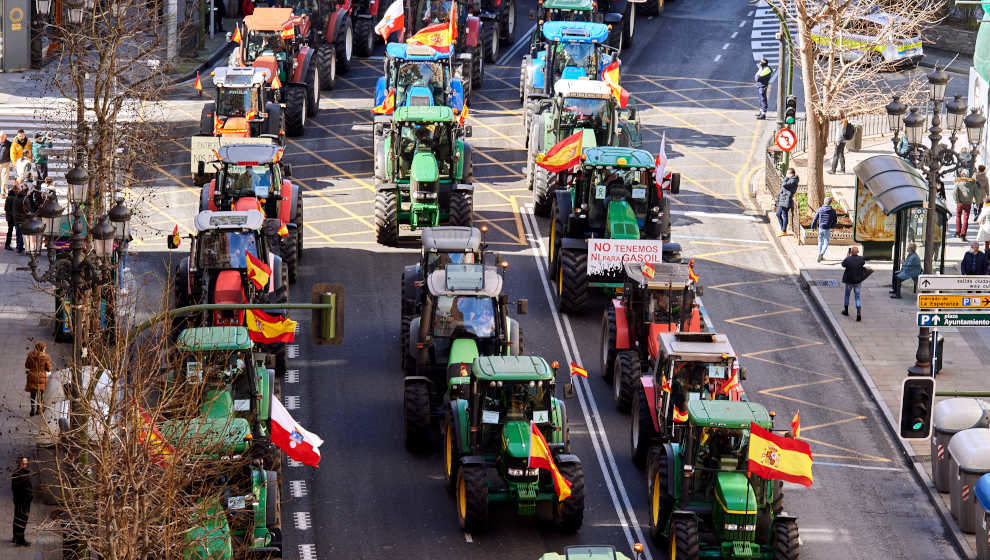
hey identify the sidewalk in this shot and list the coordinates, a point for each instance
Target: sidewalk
(879, 350)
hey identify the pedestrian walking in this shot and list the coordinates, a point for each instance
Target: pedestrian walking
(20, 147)
(983, 234)
(37, 367)
(23, 493)
(825, 219)
(910, 270)
(39, 152)
(853, 276)
(5, 145)
(785, 199)
(8, 214)
(17, 194)
(763, 74)
(965, 194)
(846, 133)
(974, 262)
(983, 189)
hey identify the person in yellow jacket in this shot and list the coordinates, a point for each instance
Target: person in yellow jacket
(20, 149)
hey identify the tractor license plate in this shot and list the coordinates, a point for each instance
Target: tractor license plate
(242, 405)
(540, 416)
(600, 192)
(639, 193)
(489, 417)
(717, 372)
(235, 502)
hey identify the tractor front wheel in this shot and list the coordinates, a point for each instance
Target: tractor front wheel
(629, 25)
(416, 407)
(640, 428)
(451, 453)
(386, 218)
(572, 281)
(206, 119)
(684, 544)
(461, 208)
(608, 344)
(553, 250)
(295, 110)
(627, 373)
(544, 183)
(408, 365)
(364, 36)
(326, 59)
(786, 545)
(523, 73)
(507, 25)
(570, 512)
(477, 67)
(472, 497)
(489, 41)
(660, 498)
(313, 78)
(344, 45)
(290, 253)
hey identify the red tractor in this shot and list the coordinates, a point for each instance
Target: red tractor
(338, 29)
(274, 39)
(633, 322)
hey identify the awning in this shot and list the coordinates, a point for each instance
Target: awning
(895, 184)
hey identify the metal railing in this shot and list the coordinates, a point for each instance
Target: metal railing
(872, 125)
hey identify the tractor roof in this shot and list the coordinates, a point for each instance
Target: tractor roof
(697, 346)
(736, 415)
(586, 552)
(466, 280)
(213, 339)
(512, 368)
(234, 76)
(575, 31)
(208, 219)
(268, 19)
(250, 154)
(587, 89)
(414, 52)
(579, 5)
(666, 276)
(451, 239)
(623, 158)
(425, 114)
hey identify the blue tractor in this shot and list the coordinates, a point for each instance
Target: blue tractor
(420, 76)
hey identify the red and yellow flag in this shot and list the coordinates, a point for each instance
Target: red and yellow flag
(283, 231)
(237, 34)
(649, 271)
(198, 84)
(679, 415)
(563, 155)
(217, 124)
(578, 370)
(268, 329)
(388, 104)
(691, 275)
(436, 36)
(276, 83)
(610, 75)
(776, 457)
(152, 439)
(664, 384)
(732, 384)
(796, 425)
(258, 271)
(463, 116)
(288, 32)
(251, 115)
(176, 238)
(452, 21)
(541, 458)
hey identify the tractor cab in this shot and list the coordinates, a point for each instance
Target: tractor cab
(616, 187)
(269, 40)
(571, 50)
(511, 393)
(240, 101)
(565, 11)
(250, 177)
(420, 76)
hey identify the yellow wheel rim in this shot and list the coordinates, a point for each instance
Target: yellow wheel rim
(560, 280)
(461, 498)
(655, 501)
(553, 232)
(448, 452)
(673, 547)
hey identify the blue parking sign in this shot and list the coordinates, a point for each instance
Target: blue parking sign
(965, 302)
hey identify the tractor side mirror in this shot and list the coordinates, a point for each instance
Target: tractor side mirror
(569, 392)
(699, 291)
(742, 374)
(229, 36)
(675, 183)
(171, 241)
(288, 170)
(522, 306)
(468, 131)
(531, 15)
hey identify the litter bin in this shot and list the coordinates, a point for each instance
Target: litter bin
(856, 144)
(983, 514)
(969, 451)
(951, 416)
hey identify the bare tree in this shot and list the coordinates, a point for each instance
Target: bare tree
(842, 70)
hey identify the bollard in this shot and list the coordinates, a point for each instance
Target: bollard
(969, 452)
(952, 416)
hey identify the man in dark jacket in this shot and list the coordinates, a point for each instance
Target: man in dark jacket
(852, 277)
(763, 74)
(8, 214)
(23, 493)
(785, 199)
(4, 162)
(846, 135)
(825, 219)
(974, 262)
(17, 207)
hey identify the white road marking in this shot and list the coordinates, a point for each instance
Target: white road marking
(743, 23)
(293, 463)
(863, 467)
(726, 239)
(726, 46)
(292, 376)
(293, 351)
(297, 488)
(734, 35)
(302, 520)
(718, 57)
(723, 215)
(307, 552)
(291, 402)
(515, 47)
(589, 408)
(764, 42)
(468, 538)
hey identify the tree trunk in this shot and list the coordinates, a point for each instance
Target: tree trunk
(816, 130)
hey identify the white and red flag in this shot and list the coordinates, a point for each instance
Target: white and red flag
(297, 442)
(661, 164)
(394, 19)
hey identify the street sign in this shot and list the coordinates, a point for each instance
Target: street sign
(785, 139)
(974, 301)
(953, 319)
(935, 282)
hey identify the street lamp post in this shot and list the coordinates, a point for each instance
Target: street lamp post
(935, 161)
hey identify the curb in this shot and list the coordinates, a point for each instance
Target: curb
(953, 68)
(920, 473)
(215, 56)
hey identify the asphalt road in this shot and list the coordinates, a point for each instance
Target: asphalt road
(373, 499)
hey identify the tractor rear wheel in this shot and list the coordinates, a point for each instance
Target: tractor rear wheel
(272, 517)
(507, 23)
(295, 110)
(641, 427)
(326, 59)
(408, 365)
(553, 249)
(684, 542)
(461, 208)
(660, 498)
(629, 25)
(298, 220)
(274, 124)
(786, 545)
(489, 41)
(472, 497)
(477, 67)
(572, 281)
(290, 253)
(664, 218)
(778, 497)
(544, 183)
(364, 36)
(206, 119)
(627, 373)
(313, 78)
(416, 407)
(386, 218)
(281, 359)
(523, 73)
(344, 44)
(570, 512)
(608, 344)
(451, 453)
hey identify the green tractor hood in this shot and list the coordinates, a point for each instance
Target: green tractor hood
(463, 351)
(424, 168)
(621, 220)
(216, 432)
(209, 537)
(735, 494)
(515, 439)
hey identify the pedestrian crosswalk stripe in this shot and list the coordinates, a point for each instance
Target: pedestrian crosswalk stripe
(763, 37)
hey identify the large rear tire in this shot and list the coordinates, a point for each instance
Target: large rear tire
(386, 218)
(295, 110)
(344, 44)
(570, 512)
(290, 253)
(556, 233)
(627, 374)
(299, 227)
(451, 453)
(684, 544)
(523, 73)
(416, 408)
(641, 432)
(406, 359)
(507, 23)
(472, 497)
(206, 119)
(272, 517)
(364, 36)
(607, 347)
(786, 545)
(313, 78)
(572, 281)
(629, 25)
(477, 67)
(660, 498)
(461, 208)
(326, 59)
(489, 41)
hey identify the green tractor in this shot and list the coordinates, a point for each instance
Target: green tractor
(423, 171)
(704, 503)
(486, 442)
(579, 105)
(593, 552)
(464, 316)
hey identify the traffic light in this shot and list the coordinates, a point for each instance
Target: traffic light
(790, 109)
(917, 397)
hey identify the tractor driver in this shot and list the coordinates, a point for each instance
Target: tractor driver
(436, 11)
(411, 137)
(574, 55)
(242, 186)
(688, 378)
(478, 316)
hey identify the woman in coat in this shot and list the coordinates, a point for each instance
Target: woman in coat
(984, 221)
(37, 365)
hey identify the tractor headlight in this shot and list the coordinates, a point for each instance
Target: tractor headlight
(655, 209)
(423, 196)
(523, 472)
(731, 527)
(749, 528)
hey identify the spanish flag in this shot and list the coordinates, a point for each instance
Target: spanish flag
(610, 75)
(540, 458)
(776, 457)
(176, 238)
(664, 384)
(258, 271)
(463, 114)
(217, 124)
(691, 275)
(732, 384)
(679, 415)
(436, 36)
(563, 155)
(268, 329)
(251, 115)
(578, 370)
(283, 231)
(289, 32)
(388, 104)
(276, 83)
(649, 271)
(152, 439)
(796, 425)
(237, 34)
(198, 84)
(452, 20)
